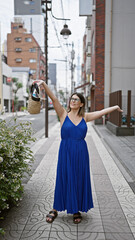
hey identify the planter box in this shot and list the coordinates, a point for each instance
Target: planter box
(121, 131)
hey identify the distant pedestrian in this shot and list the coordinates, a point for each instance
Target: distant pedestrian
(73, 186)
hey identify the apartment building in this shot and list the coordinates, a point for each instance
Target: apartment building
(24, 51)
(112, 53)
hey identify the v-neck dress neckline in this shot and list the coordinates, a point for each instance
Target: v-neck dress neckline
(74, 123)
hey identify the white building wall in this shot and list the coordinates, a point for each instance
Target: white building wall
(7, 90)
(121, 64)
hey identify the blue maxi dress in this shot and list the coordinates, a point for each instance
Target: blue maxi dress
(73, 187)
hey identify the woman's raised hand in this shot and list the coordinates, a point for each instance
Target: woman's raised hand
(119, 109)
(39, 82)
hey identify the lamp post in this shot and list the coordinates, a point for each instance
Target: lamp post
(66, 34)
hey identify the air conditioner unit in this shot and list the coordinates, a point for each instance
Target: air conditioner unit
(94, 7)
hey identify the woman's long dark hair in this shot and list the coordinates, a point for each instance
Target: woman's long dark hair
(82, 99)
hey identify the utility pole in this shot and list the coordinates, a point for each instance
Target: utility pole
(45, 3)
(65, 32)
(72, 68)
(66, 79)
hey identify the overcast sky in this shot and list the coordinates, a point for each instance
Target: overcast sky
(76, 25)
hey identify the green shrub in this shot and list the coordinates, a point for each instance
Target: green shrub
(15, 160)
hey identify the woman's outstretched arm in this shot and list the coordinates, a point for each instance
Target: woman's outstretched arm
(57, 106)
(97, 114)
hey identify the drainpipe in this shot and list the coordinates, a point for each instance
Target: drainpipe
(110, 87)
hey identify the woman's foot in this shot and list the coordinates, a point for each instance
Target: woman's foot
(77, 218)
(51, 216)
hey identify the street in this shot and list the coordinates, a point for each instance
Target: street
(38, 121)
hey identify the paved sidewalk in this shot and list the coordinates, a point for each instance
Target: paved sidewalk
(124, 149)
(113, 217)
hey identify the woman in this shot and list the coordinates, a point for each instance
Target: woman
(73, 187)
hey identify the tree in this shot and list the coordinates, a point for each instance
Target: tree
(17, 86)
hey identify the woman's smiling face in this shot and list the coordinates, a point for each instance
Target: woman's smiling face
(75, 102)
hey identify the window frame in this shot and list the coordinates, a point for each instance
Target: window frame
(28, 38)
(18, 39)
(32, 60)
(33, 51)
(18, 59)
(20, 49)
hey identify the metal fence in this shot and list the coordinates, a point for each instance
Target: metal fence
(115, 98)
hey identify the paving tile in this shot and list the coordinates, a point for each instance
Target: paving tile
(98, 169)
(35, 235)
(115, 225)
(93, 213)
(11, 235)
(89, 224)
(42, 206)
(107, 200)
(62, 235)
(117, 179)
(112, 213)
(127, 199)
(37, 222)
(26, 204)
(119, 187)
(15, 221)
(90, 236)
(102, 183)
(95, 201)
(64, 222)
(119, 236)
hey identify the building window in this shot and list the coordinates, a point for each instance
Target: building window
(32, 2)
(32, 50)
(26, 2)
(32, 60)
(18, 39)
(28, 39)
(18, 49)
(18, 60)
(15, 27)
(4, 79)
(32, 71)
(32, 10)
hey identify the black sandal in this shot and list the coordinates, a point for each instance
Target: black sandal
(51, 216)
(77, 216)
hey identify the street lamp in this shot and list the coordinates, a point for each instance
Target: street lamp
(65, 32)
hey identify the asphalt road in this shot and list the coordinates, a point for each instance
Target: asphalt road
(38, 121)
